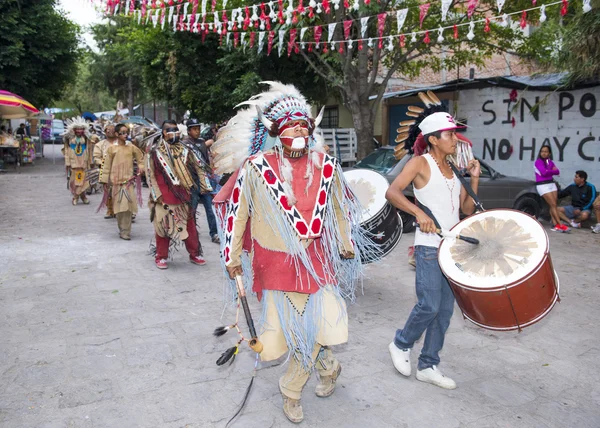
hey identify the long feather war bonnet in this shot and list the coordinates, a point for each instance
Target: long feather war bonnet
(247, 134)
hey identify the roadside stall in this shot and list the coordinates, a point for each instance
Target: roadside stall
(13, 150)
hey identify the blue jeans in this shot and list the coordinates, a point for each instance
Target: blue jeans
(432, 312)
(206, 200)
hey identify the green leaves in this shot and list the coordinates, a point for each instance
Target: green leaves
(38, 50)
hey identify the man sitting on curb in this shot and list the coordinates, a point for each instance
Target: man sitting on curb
(582, 196)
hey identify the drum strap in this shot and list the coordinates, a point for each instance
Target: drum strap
(467, 187)
(427, 211)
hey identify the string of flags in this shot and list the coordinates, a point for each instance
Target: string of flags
(240, 22)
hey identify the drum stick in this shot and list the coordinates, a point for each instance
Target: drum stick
(445, 234)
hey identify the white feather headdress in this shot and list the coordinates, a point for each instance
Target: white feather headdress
(74, 123)
(245, 134)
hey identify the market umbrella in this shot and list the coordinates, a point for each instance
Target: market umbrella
(14, 107)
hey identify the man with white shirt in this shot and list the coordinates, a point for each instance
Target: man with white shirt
(437, 188)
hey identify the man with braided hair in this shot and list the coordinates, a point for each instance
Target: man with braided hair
(173, 171)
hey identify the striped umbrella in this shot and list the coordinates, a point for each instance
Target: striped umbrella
(14, 107)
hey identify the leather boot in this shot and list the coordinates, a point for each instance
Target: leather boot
(326, 385)
(292, 409)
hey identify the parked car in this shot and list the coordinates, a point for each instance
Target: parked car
(140, 120)
(58, 128)
(495, 189)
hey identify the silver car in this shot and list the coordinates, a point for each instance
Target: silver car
(495, 190)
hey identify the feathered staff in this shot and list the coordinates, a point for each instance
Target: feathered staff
(253, 342)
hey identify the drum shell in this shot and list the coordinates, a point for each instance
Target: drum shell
(513, 306)
(386, 230)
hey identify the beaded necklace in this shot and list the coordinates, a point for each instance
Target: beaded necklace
(451, 189)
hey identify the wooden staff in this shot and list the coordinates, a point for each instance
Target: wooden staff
(254, 343)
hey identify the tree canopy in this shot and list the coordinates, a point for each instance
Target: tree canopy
(38, 50)
(190, 74)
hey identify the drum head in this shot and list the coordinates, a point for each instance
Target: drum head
(369, 187)
(512, 246)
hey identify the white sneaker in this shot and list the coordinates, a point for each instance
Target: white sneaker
(575, 225)
(401, 359)
(435, 377)
(596, 229)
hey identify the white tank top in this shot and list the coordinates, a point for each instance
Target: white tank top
(439, 195)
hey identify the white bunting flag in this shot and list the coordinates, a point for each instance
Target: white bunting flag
(471, 34)
(363, 26)
(155, 19)
(400, 18)
(176, 18)
(587, 6)
(204, 8)
(331, 30)
(171, 10)
(139, 13)
(281, 37)
(440, 38)
(127, 7)
(445, 8)
(356, 5)
(185, 10)
(242, 39)
(500, 4)
(302, 33)
(543, 13)
(224, 4)
(228, 40)
(261, 40)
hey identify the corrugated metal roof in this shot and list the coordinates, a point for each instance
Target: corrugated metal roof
(541, 82)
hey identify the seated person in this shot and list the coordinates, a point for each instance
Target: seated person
(596, 228)
(582, 196)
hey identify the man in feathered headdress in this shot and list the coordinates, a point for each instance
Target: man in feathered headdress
(173, 172)
(290, 228)
(78, 157)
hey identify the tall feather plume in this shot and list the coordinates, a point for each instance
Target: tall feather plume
(409, 129)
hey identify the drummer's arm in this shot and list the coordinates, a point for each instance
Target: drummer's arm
(467, 204)
(395, 193)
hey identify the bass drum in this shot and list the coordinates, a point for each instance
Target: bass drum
(379, 217)
(507, 282)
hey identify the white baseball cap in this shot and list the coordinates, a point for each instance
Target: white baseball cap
(439, 121)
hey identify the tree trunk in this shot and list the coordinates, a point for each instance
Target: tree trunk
(130, 95)
(363, 118)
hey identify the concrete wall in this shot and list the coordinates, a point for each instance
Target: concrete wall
(508, 135)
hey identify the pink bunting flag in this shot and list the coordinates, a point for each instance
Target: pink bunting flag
(270, 42)
(380, 27)
(347, 28)
(471, 6)
(423, 9)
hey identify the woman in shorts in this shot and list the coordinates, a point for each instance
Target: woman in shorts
(545, 170)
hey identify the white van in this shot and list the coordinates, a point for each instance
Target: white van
(58, 128)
